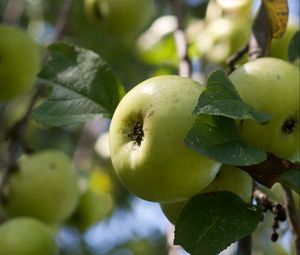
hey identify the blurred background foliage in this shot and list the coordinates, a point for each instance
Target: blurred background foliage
(121, 223)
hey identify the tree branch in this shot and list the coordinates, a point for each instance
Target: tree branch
(180, 40)
(292, 217)
(62, 19)
(245, 246)
(268, 172)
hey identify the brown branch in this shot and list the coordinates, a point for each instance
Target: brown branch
(245, 246)
(180, 40)
(268, 172)
(292, 217)
(17, 132)
(232, 60)
(13, 12)
(16, 135)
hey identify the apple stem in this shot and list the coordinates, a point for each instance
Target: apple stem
(180, 40)
(292, 217)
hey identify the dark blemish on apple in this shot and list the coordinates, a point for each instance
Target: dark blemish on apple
(52, 166)
(150, 114)
(137, 134)
(278, 77)
(289, 125)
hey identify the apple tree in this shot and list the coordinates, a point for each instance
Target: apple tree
(191, 105)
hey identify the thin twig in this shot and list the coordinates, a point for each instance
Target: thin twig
(62, 20)
(245, 246)
(232, 60)
(180, 40)
(17, 133)
(292, 217)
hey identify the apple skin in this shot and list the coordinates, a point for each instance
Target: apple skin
(271, 85)
(26, 236)
(156, 165)
(45, 187)
(229, 178)
(119, 17)
(19, 62)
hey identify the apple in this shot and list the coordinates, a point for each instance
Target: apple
(236, 7)
(19, 62)
(119, 17)
(26, 236)
(93, 207)
(45, 187)
(146, 141)
(229, 178)
(279, 47)
(222, 37)
(271, 85)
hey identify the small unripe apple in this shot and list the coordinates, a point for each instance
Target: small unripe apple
(222, 37)
(92, 208)
(271, 85)
(147, 135)
(279, 47)
(45, 187)
(26, 236)
(119, 17)
(19, 62)
(229, 178)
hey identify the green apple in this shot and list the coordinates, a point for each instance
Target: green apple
(271, 85)
(229, 178)
(45, 187)
(93, 207)
(26, 236)
(279, 47)
(120, 17)
(19, 62)
(222, 37)
(146, 141)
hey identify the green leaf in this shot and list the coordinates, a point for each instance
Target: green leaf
(84, 87)
(210, 222)
(294, 47)
(216, 137)
(221, 98)
(291, 179)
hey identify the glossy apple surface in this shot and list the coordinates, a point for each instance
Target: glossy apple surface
(44, 187)
(146, 141)
(19, 62)
(229, 178)
(26, 236)
(271, 85)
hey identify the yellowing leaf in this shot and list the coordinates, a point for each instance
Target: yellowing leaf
(278, 12)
